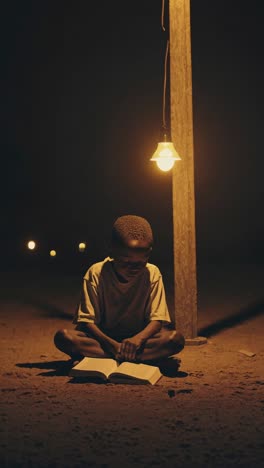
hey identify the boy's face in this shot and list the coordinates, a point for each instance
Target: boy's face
(131, 260)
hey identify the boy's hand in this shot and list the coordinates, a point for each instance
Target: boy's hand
(129, 348)
(114, 349)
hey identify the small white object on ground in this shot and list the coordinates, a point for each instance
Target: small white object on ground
(247, 353)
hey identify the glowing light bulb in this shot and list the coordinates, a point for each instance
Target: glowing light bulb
(165, 164)
(165, 156)
(31, 245)
(53, 253)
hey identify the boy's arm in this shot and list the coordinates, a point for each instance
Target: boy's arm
(108, 344)
(130, 346)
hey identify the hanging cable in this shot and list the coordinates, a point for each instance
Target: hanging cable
(165, 154)
(162, 15)
(165, 87)
(164, 123)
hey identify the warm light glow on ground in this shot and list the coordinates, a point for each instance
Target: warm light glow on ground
(53, 253)
(82, 246)
(31, 245)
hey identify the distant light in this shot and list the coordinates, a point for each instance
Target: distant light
(53, 253)
(31, 245)
(82, 246)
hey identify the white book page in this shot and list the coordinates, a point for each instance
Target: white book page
(105, 366)
(142, 371)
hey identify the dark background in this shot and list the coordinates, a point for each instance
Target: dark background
(81, 110)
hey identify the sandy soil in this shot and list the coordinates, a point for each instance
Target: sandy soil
(210, 414)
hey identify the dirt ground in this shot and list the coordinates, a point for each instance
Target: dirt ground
(210, 414)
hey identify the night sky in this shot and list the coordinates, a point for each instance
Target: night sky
(81, 110)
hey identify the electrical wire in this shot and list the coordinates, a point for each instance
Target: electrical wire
(165, 69)
(165, 86)
(162, 16)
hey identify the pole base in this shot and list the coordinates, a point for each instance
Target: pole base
(198, 340)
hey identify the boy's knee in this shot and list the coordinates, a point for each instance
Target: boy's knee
(177, 341)
(61, 336)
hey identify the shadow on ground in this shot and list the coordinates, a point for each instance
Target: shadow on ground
(249, 312)
(60, 368)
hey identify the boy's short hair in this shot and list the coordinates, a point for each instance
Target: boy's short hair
(131, 227)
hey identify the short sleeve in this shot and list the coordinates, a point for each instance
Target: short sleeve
(158, 309)
(88, 309)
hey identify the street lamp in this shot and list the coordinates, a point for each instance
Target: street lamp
(165, 154)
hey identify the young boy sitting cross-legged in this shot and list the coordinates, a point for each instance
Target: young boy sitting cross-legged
(123, 312)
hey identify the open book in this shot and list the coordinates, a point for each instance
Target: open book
(110, 370)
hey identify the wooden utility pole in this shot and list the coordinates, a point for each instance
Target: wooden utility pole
(183, 196)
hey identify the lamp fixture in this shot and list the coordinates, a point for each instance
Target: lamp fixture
(165, 154)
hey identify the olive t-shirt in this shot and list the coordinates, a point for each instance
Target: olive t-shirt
(121, 309)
